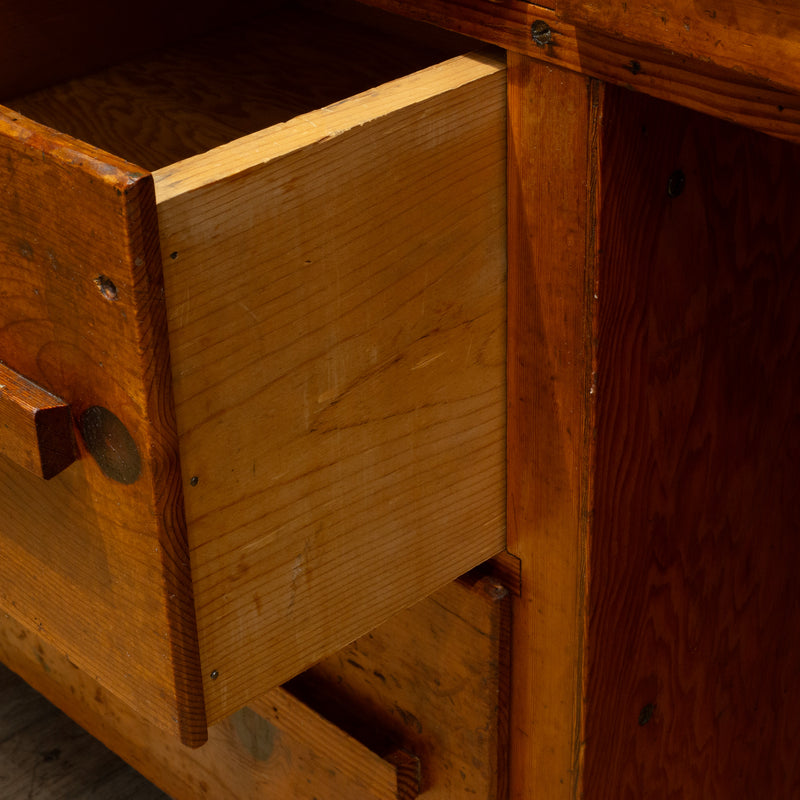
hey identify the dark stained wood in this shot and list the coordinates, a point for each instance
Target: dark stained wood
(49, 41)
(431, 681)
(756, 38)
(725, 92)
(35, 426)
(552, 181)
(694, 619)
(97, 565)
(170, 104)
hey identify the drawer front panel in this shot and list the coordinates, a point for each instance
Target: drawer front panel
(95, 559)
(336, 300)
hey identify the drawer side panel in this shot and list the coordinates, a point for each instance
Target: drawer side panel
(336, 300)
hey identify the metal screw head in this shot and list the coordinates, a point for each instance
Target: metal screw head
(194, 480)
(541, 33)
(214, 675)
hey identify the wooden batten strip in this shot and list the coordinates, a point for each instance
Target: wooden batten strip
(35, 426)
(722, 92)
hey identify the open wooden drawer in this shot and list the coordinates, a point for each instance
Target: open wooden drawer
(284, 356)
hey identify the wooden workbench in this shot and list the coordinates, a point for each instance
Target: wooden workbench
(653, 448)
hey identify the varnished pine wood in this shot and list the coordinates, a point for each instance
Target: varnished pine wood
(176, 102)
(758, 39)
(695, 612)
(431, 681)
(367, 774)
(35, 426)
(336, 299)
(426, 684)
(98, 567)
(552, 183)
(728, 93)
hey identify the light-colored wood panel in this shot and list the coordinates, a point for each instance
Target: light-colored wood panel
(289, 752)
(434, 680)
(552, 175)
(96, 559)
(696, 83)
(336, 295)
(369, 775)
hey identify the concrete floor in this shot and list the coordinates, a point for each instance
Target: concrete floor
(44, 755)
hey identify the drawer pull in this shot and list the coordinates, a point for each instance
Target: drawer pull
(35, 426)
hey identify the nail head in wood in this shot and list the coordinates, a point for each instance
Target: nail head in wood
(541, 33)
(106, 286)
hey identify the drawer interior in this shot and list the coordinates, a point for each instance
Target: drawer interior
(175, 102)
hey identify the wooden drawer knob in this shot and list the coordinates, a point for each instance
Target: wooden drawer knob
(35, 426)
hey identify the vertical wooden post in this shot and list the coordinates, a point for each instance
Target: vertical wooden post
(552, 168)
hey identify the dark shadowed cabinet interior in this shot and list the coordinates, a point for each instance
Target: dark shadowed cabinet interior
(400, 399)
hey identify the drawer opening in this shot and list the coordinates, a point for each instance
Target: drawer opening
(317, 257)
(176, 102)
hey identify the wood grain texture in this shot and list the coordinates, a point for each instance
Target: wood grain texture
(552, 183)
(98, 567)
(369, 775)
(35, 426)
(427, 682)
(692, 637)
(336, 297)
(758, 39)
(430, 681)
(728, 93)
(179, 101)
(49, 41)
